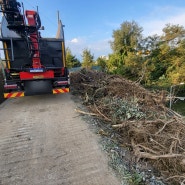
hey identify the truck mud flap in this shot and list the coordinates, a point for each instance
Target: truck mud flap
(60, 90)
(14, 94)
(37, 87)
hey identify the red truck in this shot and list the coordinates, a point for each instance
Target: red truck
(32, 65)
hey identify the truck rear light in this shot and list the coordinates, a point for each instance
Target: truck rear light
(63, 71)
(12, 86)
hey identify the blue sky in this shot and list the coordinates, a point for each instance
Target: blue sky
(89, 24)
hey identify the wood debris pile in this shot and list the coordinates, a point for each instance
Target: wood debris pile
(155, 133)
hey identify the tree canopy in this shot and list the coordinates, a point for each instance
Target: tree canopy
(152, 60)
(158, 60)
(127, 38)
(71, 60)
(87, 59)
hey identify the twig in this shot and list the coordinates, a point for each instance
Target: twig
(107, 119)
(89, 85)
(119, 125)
(174, 113)
(176, 176)
(98, 90)
(146, 148)
(87, 113)
(155, 157)
(152, 140)
(163, 127)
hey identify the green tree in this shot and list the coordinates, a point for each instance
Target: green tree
(176, 69)
(87, 59)
(71, 60)
(115, 64)
(172, 54)
(134, 66)
(156, 60)
(127, 38)
(173, 33)
(165, 62)
(125, 44)
(102, 62)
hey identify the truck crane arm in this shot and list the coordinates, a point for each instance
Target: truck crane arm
(16, 19)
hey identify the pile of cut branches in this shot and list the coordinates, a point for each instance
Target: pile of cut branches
(155, 132)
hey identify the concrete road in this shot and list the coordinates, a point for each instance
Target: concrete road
(44, 141)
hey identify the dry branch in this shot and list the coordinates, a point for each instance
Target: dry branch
(86, 113)
(158, 136)
(155, 157)
(165, 123)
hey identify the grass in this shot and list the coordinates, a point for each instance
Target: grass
(179, 107)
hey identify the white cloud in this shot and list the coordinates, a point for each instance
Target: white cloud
(152, 24)
(97, 48)
(76, 45)
(101, 47)
(155, 22)
(75, 40)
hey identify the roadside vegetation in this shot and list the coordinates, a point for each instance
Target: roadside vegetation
(132, 94)
(139, 121)
(156, 62)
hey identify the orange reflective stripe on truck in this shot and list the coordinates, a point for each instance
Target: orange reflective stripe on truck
(60, 90)
(13, 95)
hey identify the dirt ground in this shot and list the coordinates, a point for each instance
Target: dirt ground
(44, 141)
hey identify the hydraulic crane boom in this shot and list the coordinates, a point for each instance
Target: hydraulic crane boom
(16, 22)
(11, 10)
(16, 19)
(34, 20)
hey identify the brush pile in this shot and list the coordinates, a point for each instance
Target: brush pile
(154, 132)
